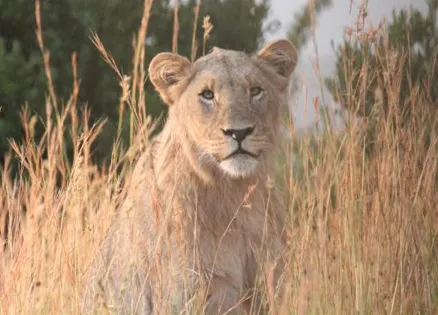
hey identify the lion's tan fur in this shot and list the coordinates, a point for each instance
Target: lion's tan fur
(187, 227)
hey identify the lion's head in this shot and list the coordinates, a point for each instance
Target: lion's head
(226, 106)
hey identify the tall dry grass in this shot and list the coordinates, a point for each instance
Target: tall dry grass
(363, 226)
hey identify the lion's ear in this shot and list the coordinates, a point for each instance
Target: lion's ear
(166, 72)
(280, 55)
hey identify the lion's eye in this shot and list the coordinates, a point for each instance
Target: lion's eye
(207, 94)
(255, 91)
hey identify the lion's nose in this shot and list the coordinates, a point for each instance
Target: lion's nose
(238, 134)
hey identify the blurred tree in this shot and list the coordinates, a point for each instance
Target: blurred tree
(300, 31)
(411, 34)
(67, 25)
(21, 75)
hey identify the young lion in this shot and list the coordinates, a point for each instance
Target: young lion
(200, 221)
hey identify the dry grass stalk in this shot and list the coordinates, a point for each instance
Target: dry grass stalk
(138, 103)
(45, 53)
(195, 30)
(208, 27)
(109, 59)
(175, 27)
(125, 81)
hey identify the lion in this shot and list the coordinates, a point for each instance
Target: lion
(202, 220)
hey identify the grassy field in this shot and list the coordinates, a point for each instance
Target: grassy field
(363, 203)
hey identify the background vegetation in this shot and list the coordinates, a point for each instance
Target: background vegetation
(67, 27)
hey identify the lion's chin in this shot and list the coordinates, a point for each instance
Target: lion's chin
(240, 166)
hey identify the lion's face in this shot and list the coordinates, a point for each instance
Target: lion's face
(228, 104)
(231, 111)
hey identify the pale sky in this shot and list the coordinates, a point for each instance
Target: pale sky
(330, 27)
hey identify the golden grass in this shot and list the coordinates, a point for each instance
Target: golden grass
(363, 227)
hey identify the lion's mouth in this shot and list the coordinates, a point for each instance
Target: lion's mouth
(239, 151)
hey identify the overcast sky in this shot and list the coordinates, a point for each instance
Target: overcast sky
(330, 27)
